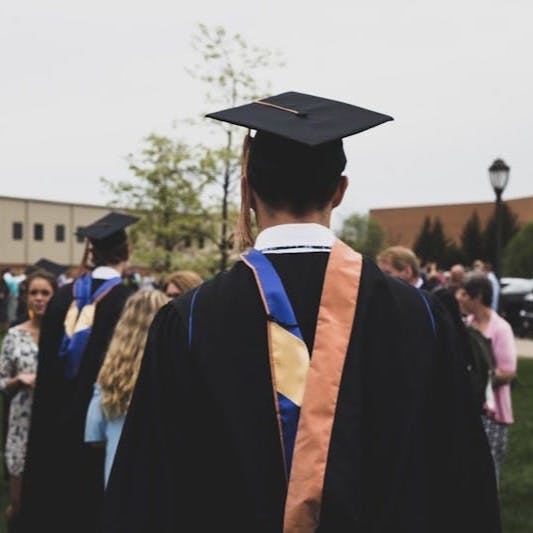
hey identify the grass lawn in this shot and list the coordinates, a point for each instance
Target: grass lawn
(517, 472)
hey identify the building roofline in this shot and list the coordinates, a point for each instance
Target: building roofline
(455, 204)
(60, 202)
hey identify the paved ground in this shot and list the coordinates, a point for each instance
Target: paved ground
(524, 347)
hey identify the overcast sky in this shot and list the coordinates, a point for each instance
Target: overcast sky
(83, 82)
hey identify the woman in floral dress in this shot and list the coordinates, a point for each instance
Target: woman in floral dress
(18, 368)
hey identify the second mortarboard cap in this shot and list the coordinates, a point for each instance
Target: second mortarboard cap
(50, 266)
(107, 231)
(303, 118)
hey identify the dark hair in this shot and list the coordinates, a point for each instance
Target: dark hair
(479, 285)
(41, 274)
(110, 255)
(289, 175)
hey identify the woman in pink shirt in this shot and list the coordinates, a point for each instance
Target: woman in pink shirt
(475, 301)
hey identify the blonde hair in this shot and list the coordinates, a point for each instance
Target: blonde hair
(119, 372)
(400, 257)
(185, 280)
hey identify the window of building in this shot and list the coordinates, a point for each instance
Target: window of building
(17, 231)
(187, 242)
(60, 233)
(38, 232)
(79, 238)
(201, 242)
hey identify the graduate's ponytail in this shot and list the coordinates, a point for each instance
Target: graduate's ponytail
(244, 225)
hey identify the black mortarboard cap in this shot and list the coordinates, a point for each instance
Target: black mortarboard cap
(303, 118)
(107, 231)
(53, 268)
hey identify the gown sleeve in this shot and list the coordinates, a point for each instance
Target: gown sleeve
(462, 478)
(48, 405)
(141, 494)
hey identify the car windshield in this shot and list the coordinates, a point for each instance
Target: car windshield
(516, 285)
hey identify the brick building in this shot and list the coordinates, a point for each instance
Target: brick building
(402, 225)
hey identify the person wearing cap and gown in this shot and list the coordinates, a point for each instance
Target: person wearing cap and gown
(63, 488)
(54, 268)
(303, 390)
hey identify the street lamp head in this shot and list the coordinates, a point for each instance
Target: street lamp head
(499, 175)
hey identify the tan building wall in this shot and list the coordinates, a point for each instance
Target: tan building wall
(402, 224)
(55, 217)
(12, 211)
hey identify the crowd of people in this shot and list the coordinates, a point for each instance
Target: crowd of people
(471, 296)
(306, 389)
(132, 306)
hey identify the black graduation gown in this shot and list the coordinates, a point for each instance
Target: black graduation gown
(200, 450)
(63, 477)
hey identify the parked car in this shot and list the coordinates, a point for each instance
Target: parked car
(526, 317)
(512, 295)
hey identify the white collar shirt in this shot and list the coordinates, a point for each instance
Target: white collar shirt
(105, 272)
(295, 238)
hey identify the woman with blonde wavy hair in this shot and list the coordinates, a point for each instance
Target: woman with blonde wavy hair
(117, 377)
(180, 282)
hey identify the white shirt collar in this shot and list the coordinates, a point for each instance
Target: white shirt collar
(105, 272)
(295, 238)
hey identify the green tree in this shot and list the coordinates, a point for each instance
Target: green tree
(472, 240)
(452, 256)
(228, 69)
(433, 245)
(423, 247)
(363, 234)
(518, 254)
(439, 243)
(444, 251)
(510, 227)
(165, 190)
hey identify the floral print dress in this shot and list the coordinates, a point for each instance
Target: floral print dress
(19, 356)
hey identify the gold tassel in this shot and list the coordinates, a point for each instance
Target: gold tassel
(244, 225)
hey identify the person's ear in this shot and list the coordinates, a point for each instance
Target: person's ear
(339, 192)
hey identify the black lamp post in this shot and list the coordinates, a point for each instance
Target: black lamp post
(499, 177)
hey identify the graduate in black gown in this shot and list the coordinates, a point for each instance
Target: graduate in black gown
(63, 487)
(204, 446)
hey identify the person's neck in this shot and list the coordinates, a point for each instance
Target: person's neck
(482, 314)
(275, 218)
(36, 321)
